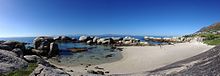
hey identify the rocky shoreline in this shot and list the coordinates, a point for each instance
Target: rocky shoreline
(16, 55)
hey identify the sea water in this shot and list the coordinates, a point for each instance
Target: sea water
(96, 54)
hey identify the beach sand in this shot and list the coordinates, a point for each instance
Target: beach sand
(145, 58)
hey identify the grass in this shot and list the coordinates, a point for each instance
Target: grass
(24, 72)
(213, 42)
(210, 39)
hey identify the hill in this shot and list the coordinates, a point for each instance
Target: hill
(212, 28)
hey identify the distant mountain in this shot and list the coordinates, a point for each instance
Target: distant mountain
(212, 28)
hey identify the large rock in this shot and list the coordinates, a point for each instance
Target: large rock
(14, 44)
(95, 39)
(42, 70)
(105, 41)
(33, 58)
(45, 45)
(41, 41)
(84, 38)
(89, 42)
(63, 38)
(5, 47)
(130, 41)
(74, 40)
(9, 62)
(1, 41)
(28, 50)
(57, 38)
(42, 45)
(117, 38)
(38, 52)
(54, 49)
(18, 52)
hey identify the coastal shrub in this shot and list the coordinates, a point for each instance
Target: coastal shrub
(24, 72)
(213, 42)
(210, 36)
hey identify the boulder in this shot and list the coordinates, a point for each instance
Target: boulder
(89, 42)
(45, 45)
(42, 45)
(54, 49)
(109, 55)
(117, 38)
(95, 39)
(14, 44)
(96, 72)
(42, 40)
(84, 38)
(57, 38)
(42, 70)
(28, 50)
(1, 41)
(19, 52)
(33, 58)
(9, 62)
(127, 42)
(130, 41)
(74, 40)
(38, 52)
(65, 38)
(105, 41)
(5, 47)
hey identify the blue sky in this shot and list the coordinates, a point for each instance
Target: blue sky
(134, 17)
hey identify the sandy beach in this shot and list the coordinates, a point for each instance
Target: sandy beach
(145, 58)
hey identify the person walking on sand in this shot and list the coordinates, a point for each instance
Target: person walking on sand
(160, 46)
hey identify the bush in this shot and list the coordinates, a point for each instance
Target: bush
(210, 36)
(24, 72)
(213, 42)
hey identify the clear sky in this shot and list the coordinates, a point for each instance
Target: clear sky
(134, 17)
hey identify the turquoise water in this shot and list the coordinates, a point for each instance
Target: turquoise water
(96, 54)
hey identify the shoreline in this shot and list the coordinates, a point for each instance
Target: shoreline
(145, 58)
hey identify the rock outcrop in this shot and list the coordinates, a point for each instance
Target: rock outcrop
(42, 43)
(5, 47)
(33, 59)
(43, 70)
(63, 39)
(105, 41)
(84, 38)
(10, 45)
(10, 62)
(54, 50)
(18, 52)
(46, 46)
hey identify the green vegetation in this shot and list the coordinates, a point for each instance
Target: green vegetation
(211, 39)
(210, 36)
(213, 42)
(25, 71)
